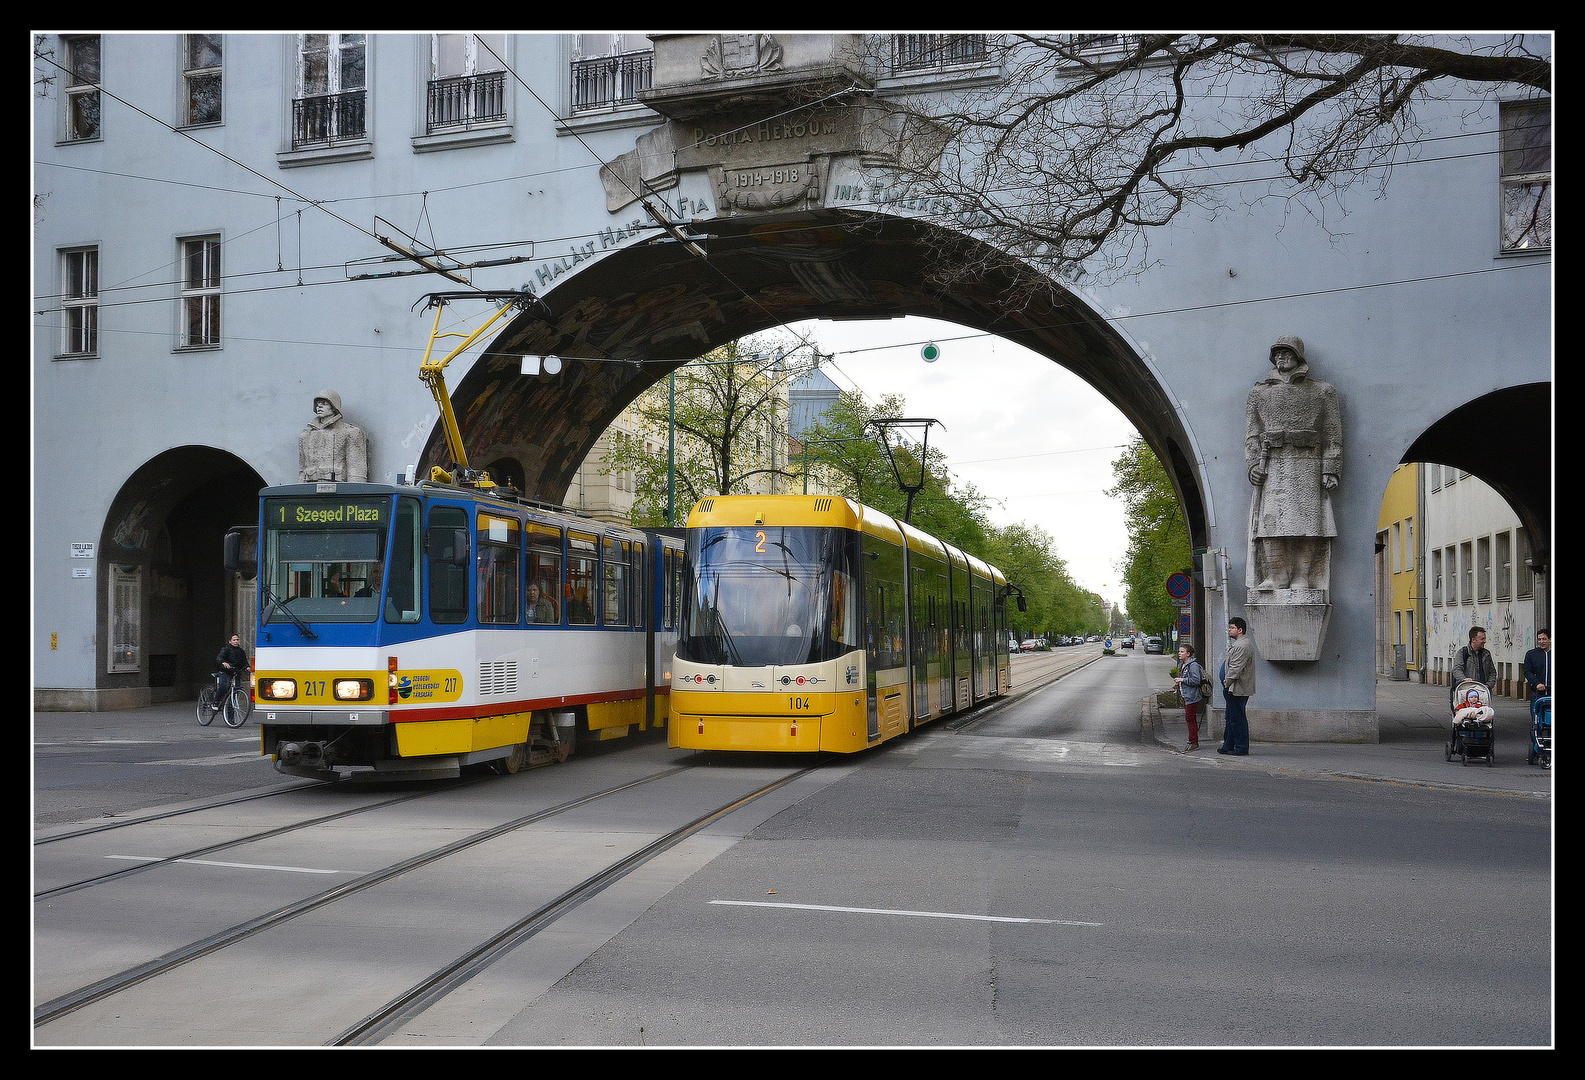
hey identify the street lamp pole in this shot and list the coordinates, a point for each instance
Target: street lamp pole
(671, 450)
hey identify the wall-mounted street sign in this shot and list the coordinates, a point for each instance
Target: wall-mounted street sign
(1179, 586)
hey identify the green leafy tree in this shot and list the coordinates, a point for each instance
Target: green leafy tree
(1158, 535)
(730, 428)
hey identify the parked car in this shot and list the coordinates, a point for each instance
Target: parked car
(1153, 645)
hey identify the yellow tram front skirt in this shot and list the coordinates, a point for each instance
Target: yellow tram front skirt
(801, 723)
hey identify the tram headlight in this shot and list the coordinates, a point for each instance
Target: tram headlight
(353, 689)
(277, 689)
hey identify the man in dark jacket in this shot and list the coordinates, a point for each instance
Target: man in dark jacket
(1538, 666)
(231, 662)
(1474, 663)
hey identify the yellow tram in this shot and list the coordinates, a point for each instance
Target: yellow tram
(815, 623)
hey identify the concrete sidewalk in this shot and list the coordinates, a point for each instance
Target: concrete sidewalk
(1414, 724)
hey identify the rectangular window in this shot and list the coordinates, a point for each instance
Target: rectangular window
(583, 560)
(82, 87)
(1408, 543)
(1436, 478)
(1397, 547)
(1504, 565)
(544, 575)
(1526, 175)
(928, 52)
(1408, 624)
(1483, 569)
(200, 292)
(126, 618)
(1466, 572)
(1452, 575)
(500, 556)
(80, 302)
(401, 597)
(1524, 577)
(604, 76)
(618, 556)
(201, 71)
(1436, 578)
(640, 601)
(447, 544)
(329, 106)
(467, 81)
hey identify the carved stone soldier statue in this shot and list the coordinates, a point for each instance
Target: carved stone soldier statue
(1293, 446)
(330, 448)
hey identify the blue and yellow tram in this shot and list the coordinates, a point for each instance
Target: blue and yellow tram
(815, 623)
(410, 630)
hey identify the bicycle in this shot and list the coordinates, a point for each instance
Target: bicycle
(234, 710)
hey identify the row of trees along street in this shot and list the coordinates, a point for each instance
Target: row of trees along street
(729, 414)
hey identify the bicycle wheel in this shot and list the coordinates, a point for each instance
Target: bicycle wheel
(206, 706)
(239, 703)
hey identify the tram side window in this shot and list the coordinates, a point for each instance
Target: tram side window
(640, 601)
(583, 559)
(674, 590)
(448, 581)
(884, 613)
(500, 555)
(544, 570)
(401, 598)
(617, 554)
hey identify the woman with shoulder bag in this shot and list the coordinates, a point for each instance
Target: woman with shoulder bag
(1193, 688)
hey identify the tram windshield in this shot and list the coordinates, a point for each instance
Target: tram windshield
(756, 596)
(324, 557)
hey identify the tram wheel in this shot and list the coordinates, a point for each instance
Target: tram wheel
(512, 763)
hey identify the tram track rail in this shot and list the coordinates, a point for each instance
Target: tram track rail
(414, 1001)
(455, 973)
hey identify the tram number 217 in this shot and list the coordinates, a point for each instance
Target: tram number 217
(798, 703)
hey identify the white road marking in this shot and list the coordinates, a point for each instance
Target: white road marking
(236, 865)
(914, 914)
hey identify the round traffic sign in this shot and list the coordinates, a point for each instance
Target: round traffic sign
(1183, 624)
(1179, 586)
(931, 352)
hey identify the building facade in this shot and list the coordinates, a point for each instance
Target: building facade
(228, 226)
(1480, 572)
(1400, 617)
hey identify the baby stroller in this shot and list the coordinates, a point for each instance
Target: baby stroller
(1541, 732)
(1473, 718)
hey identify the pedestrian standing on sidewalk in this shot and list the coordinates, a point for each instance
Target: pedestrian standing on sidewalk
(1190, 674)
(1238, 686)
(1538, 666)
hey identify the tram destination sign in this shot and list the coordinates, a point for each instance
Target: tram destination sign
(326, 513)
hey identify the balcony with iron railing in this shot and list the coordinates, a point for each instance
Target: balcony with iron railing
(328, 118)
(465, 101)
(931, 52)
(602, 82)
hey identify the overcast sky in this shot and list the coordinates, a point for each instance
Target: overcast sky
(1031, 436)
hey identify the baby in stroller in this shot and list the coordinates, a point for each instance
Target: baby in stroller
(1472, 723)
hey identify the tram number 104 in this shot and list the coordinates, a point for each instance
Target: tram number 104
(801, 703)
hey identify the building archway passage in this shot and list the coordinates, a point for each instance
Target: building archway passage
(165, 605)
(661, 306)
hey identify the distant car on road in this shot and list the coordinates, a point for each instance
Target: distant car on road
(1128, 642)
(1153, 645)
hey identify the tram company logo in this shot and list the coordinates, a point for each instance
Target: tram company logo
(852, 674)
(404, 687)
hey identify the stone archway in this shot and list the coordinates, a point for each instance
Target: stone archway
(622, 323)
(165, 604)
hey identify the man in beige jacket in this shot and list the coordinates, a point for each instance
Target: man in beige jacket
(1238, 686)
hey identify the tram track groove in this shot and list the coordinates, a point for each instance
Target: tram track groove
(63, 1004)
(282, 830)
(421, 996)
(111, 826)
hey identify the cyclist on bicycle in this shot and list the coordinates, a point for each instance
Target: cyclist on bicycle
(231, 662)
